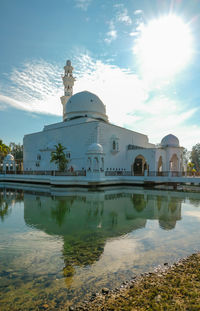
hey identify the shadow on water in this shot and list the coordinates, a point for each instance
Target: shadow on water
(95, 229)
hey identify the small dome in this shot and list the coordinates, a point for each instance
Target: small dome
(170, 141)
(9, 157)
(86, 104)
(95, 148)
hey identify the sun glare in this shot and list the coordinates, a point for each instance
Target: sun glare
(164, 46)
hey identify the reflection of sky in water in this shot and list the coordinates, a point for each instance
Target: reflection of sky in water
(75, 241)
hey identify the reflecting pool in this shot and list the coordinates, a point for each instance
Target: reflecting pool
(58, 246)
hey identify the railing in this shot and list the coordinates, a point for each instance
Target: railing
(107, 173)
(74, 173)
(118, 173)
(151, 173)
(48, 173)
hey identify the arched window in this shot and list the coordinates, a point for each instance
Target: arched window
(68, 155)
(114, 144)
(102, 164)
(96, 164)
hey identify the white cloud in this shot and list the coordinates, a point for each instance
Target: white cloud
(138, 12)
(83, 4)
(36, 87)
(137, 23)
(121, 16)
(111, 34)
(133, 34)
(124, 17)
(128, 99)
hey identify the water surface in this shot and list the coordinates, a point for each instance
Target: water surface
(58, 246)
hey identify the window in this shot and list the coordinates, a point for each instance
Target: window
(38, 157)
(114, 144)
(68, 155)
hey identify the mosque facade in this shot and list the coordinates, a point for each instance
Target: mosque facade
(94, 145)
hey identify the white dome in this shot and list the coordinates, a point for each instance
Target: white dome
(95, 148)
(170, 141)
(86, 104)
(9, 157)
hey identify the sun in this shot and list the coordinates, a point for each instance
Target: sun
(164, 46)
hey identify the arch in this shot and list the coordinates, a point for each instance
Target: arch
(174, 163)
(89, 163)
(160, 165)
(96, 164)
(139, 165)
(102, 164)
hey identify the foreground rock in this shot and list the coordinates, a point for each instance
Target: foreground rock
(174, 287)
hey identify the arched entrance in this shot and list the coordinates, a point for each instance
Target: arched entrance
(139, 166)
(173, 164)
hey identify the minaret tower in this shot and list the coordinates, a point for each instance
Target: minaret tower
(68, 81)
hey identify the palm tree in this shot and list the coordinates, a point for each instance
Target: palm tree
(58, 156)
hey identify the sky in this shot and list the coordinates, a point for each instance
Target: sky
(141, 57)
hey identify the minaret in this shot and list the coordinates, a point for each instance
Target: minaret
(68, 81)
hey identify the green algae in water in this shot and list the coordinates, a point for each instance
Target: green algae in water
(59, 246)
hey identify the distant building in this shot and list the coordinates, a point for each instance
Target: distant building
(95, 145)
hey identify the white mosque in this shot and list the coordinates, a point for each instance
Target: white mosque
(93, 145)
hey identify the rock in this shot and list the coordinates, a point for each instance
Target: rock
(105, 291)
(157, 298)
(94, 295)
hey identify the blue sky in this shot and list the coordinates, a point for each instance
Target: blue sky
(103, 40)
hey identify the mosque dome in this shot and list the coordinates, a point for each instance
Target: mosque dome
(95, 148)
(170, 141)
(85, 104)
(9, 157)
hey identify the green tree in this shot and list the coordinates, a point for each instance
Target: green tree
(58, 156)
(4, 149)
(186, 155)
(16, 150)
(195, 156)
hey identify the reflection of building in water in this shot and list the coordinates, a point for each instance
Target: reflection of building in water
(87, 220)
(8, 197)
(167, 209)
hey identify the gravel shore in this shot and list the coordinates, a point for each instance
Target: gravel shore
(175, 287)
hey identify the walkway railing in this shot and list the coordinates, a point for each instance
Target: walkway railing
(48, 173)
(107, 173)
(118, 173)
(151, 173)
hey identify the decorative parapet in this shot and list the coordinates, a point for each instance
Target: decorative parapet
(134, 147)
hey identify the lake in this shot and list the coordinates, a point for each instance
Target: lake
(58, 246)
